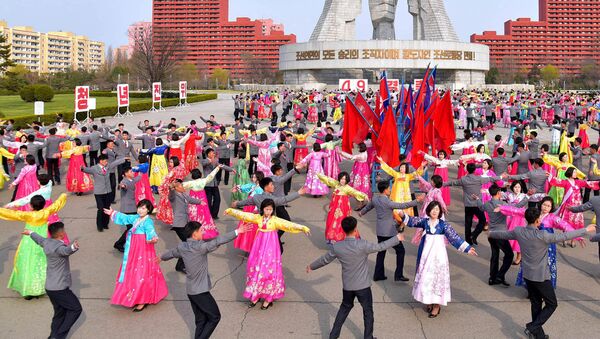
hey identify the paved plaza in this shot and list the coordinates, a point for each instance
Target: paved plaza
(311, 301)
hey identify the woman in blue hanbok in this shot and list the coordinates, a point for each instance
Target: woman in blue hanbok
(432, 280)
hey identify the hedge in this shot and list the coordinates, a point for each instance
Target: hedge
(110, 111)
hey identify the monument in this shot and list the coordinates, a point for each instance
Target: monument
(333, 53)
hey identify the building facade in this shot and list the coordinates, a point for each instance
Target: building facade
(567, 35)
(244, 46)
(53, 51)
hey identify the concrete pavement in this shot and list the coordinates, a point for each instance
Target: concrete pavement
(312, 300)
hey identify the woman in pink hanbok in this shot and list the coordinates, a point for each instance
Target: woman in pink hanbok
(264, 152)
(26, 183)
(360, 178)
(142, 187)
(244, 241)
(264, 273)
(201, 212)
(468, 147)
(441, 168)
(331, 163)
(572, 197)
(506, 115)
(313, 184)
(486, 171)
(262, 113)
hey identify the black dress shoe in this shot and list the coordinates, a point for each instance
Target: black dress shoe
(379, 278)
(401, 279)
(503, 283)
(492, 282)
(101, 230)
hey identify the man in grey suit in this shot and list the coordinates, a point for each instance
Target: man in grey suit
(592, 205)
(94, 145)
(128, 205)
(353, 254)
(536, 179)
(67, 308)
(52, 143)
(534, 247)
(213, 196)
(471, 185)
(501, 163)
(124, 148)
(533, 144)
(194, 253)
(102, 187)
(523, 159)
(577, 154)
(179, 201)
(386, 228)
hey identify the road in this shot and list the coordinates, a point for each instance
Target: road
(311, 302)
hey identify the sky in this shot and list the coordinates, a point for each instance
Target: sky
(107, 20)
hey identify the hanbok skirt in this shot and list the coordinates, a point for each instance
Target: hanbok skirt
(262, 113)
(245, 240)
(301, 153)
(339, 208)
(432, 281)
(513, 222)
(143, 282)
(164, 210)
(313, 185)
(313, 115)
(143, 190)
(241, 178)
(264, 273)
(443, 172)
(190, 155)
(331, 164)
(28, 185)
(585, 140)
(77, 181)
(175, 152)
(158, 170)
(557, 193)
(29, 271)
(462, 171)
(360, 178)
(201, 214)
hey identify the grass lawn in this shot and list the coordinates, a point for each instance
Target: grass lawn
(13, 106)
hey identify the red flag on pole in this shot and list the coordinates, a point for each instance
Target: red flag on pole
(355, 127)
(418, 138)
(444, 124)
(387, 144)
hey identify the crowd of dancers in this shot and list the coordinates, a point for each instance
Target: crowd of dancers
(513, 187)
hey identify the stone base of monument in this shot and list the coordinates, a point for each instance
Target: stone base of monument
(458, 64)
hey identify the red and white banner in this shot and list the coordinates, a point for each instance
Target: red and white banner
(123, 95)
(182, 90)
(347, 85)
(417, 84)
(156, 92)
(394, 85)
(82, 96)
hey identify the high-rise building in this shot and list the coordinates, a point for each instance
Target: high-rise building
(243, 46)
(53, 51)
(567, 35)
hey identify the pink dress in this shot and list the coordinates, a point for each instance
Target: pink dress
(360, 178)
(441, 169)
(514, 221)
(28, 183)
(573, 198)
(264, 154)
(313, 185)
(142, 187)
(313, 115)
(245, 240)
(201, 212)
(140, 279)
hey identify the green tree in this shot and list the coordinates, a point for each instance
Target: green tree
(492, 76)
(5, 61)
(550, 74)
(15, 78)
(534, 74)
(219, 77)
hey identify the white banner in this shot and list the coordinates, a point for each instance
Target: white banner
(38, 108)
(347, 85)
(417, 84)
(123, 95)
(393, 85)
(156, 92)
(182, 90)
(82, 96)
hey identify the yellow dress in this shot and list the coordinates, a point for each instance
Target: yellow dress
(3, 176)
(29, 271)
(401, 186)
(564, 145)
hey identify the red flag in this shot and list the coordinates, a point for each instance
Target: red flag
(387, 145)
(444, 124)
(418, 138)
(368, 114)
(355, 128)
(429, 121)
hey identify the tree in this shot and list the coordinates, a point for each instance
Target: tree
(549, 74)
(5, 61)
(109, 58)
(155, 53)
(219, 77)
(258, 69)
(492, 76)
(590, 73)
(15, 78)
(534, 74)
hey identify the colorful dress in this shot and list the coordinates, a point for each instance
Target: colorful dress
(468, 147)
(245, 240)
(301, 150)
(573, 198)
(201, 212)
(555, 139)
(164, 211)
(264, 273)
(441, 169)
(313, 115)
(28, 183)
(4, 176)
(514, 221)
(77, 180)
(432, 280)
(339, 207)
(142, 187)
(175, 147)
(29, 272)
(557, 192)
(264, 154)
(313, 185)
(190, 156)
(585, 140)
(46, 192)
(242, 178)
(401, 187)
(331, 163)
(140, 280)
(159, 168)
(360, 178)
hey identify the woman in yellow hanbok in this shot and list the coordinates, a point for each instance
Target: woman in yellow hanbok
(564, 147)
(561, 164)
(4, 176)
(401, 187)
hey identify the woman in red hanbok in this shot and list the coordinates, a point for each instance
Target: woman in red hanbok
(142, 187)
(190, 153)
(78, 182)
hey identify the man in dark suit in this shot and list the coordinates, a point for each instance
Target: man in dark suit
(353, 254)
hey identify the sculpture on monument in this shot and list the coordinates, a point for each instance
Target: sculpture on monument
(338, 20)
(430, 21)
(383, 15)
